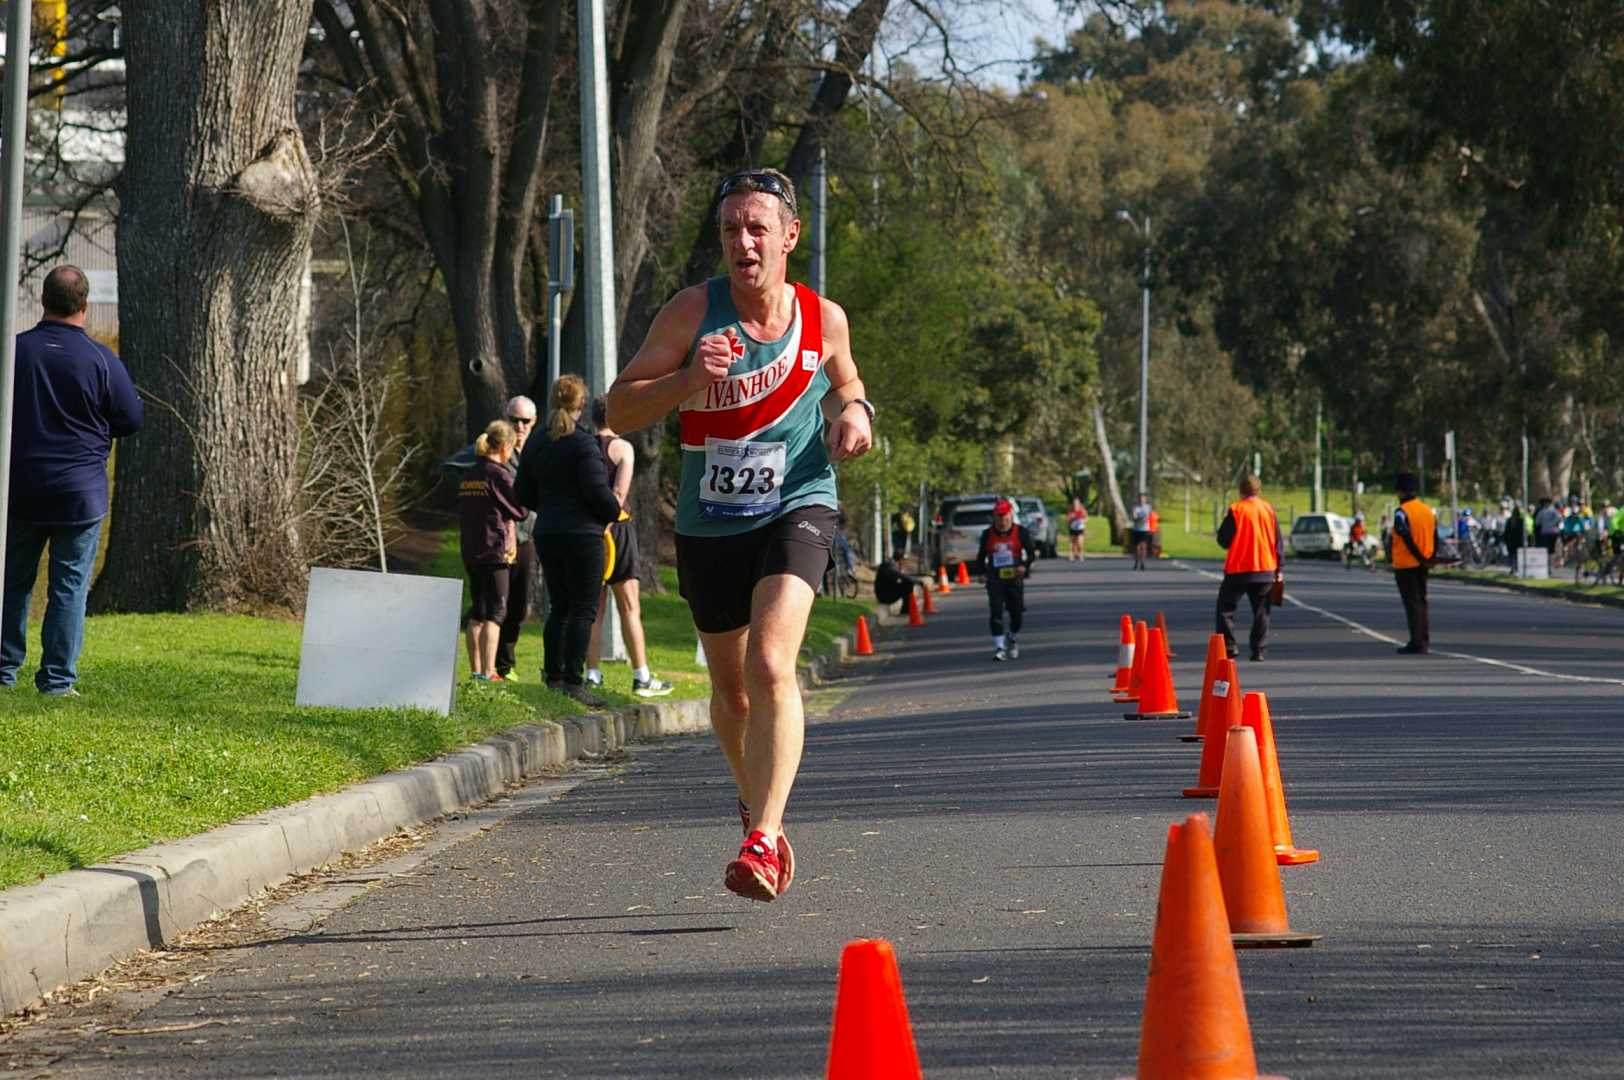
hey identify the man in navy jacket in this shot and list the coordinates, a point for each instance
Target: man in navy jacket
(72, 399)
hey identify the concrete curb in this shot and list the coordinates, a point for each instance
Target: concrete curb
(77, 923)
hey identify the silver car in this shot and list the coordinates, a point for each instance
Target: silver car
(1040, 523)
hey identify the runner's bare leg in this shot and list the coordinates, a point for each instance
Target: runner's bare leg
(729, 705)
(776, 730)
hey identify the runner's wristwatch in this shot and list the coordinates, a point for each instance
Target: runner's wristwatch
(868, 407)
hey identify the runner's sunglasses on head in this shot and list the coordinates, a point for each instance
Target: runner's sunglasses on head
(755, 181)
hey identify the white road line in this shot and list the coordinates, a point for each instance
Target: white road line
(1360, 628)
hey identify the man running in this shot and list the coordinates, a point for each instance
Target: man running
(1005, 556)
(768, 395)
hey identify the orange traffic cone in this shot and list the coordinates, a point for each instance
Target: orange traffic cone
(1136, 672)
(941, 579)
(1217, 653)
(864, 646)
(1246, 868)
(1157, 701)
(1161, 624)
(913, 610)
(1225, 715)
(930, 604)
(1124, 671)
(964, 575)
(871, 1036)
(1194, 1025)
(1255, 715)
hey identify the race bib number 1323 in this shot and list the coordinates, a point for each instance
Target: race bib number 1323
(742, 479)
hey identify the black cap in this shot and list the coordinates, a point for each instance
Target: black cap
(1406, 482)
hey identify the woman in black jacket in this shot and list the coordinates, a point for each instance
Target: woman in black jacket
(563, 479)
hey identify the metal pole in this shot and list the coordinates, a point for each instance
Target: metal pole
(598, 251)
(555, 316)
(1144, 371)
(1454, 491)
(1319, 474)
(18, 19)
(1525, 466)
(922, 527)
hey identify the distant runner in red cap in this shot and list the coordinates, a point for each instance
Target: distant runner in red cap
(1005, 557)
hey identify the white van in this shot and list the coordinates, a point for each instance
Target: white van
(1319, 534)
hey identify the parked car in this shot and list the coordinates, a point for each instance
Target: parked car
(957, 526)
(1319, 534)
(1035, 516)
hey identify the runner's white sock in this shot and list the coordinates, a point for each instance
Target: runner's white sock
(641, 674)
(594, 675)
(998, 641)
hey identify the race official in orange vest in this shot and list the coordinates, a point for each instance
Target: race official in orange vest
(1415, 533)
(1251, 533)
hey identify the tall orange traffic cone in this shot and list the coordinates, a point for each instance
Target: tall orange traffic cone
(1217, 653)
(1194, 1025)
(871, 1036)
(864, 646)
(1157, 700)
(941, 579)
(1225, 715)
(964, 575)
(1246, 868)
(1136, 672)
(1255, 715)
(1161, 624)
(913, 610)
(1124, 670)
(930, 604)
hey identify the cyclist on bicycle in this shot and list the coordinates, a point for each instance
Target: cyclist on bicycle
(1005, 557)
(1615, 529)
(1355, 548)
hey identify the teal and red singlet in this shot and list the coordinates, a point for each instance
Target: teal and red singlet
(753, 444)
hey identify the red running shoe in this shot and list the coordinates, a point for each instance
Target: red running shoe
(755, 874)
(786, 863)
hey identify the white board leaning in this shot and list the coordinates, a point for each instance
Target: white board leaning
(378, 640)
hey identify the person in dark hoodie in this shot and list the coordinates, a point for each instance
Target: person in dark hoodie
(486, 506)
(563, 479)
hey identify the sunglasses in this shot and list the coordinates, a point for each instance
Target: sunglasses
(756, 181)
(521, 419)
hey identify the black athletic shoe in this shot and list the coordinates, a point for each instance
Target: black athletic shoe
(1411, 649)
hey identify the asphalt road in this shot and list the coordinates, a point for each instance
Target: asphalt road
(1003, 825)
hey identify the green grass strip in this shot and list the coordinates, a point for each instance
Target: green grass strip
(188, 722)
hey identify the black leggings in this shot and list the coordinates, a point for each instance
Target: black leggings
(1001, 596)
(572, 567)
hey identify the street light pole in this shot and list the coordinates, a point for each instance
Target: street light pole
(1144, 352)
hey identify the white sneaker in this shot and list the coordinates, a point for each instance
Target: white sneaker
(999, 654)
(1014, 651)
(651, 687)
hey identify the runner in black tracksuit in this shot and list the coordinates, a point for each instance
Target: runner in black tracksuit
(1005, 557)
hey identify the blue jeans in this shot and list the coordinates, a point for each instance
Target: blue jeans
(73, 556)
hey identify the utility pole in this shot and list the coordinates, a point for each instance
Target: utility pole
(1144, 352)
(598, 251)
(19, 18)
(1319, 488)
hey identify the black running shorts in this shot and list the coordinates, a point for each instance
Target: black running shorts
(717, 575)
(625, 568)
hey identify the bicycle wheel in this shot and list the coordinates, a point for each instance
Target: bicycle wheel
(1588, 571)
(848, 585)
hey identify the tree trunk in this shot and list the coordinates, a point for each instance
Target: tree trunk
(1119, 513)
(218, 203)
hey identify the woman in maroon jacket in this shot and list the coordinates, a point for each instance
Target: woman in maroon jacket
(488, 510)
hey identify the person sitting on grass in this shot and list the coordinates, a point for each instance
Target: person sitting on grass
(488, 512)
